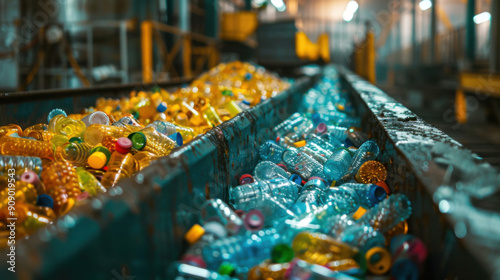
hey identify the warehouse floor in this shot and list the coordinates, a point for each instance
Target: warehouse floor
(480, 134)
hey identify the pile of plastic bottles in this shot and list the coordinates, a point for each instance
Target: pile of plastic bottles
(315, 207)
(48, 168)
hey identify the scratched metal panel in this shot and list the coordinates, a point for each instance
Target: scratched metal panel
(139, 225)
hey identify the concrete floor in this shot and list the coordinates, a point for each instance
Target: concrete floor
(481, 134)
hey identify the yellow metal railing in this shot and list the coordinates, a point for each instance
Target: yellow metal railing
(364, 58)
(150, 30)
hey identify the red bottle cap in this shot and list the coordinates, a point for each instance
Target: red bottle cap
(123, 145)
(321, 128)
(282, 166)
(240, 213)
(30, 177)
(246, 179)
(254, 220)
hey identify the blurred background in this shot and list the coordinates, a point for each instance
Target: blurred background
(438, 57)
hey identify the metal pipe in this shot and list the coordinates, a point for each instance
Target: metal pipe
(470, 37)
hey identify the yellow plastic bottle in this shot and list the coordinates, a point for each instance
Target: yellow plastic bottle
(211, 116)
(31, 218)
(24, 192)
(74, 153)
(39, 132)
(95, 133)
(195, 118)
(67, 126)
(61, 183)
(120, 166)
(232, 108)
(148, 139)
(145, 158)
(89, 183)
(268, 270)
(9, 129)
(25, 147)
(321, 249)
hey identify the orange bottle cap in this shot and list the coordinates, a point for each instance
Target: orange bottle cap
(300, 144)
(359, 213)
(97, 160)
(194, 234)
(385, 186)
(378, 260)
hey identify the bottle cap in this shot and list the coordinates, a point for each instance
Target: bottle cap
(30, 177)
(254, 220)
(385, 186)
(177, 137)
(135, 114)
(45, 200)
(139, 140)
(246, 102)
(123, 145)
(376, 194)
(246, 179)
(248, 76)
(378, 260)
(97, 160)
(282, 253)
(194, 261)
(296, 179)
(82, 196)
(359, 213)
(194, 234)
(215, 228)
(371, 172)
(226, 268)
(321, 128)
(162, 107)
(317, 178)
(54, 113)
(76, 140)
(282, 166)
(300, 144)
(240, 213)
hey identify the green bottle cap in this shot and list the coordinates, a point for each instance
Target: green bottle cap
(103, 150)
(138, 140)
(227, 92)
(135, 113)
(227, 269)
(281, 253)
(76, 140)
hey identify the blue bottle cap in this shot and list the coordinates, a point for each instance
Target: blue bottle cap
(162, 107)
(405, 269)
(177, 137)
(316, 117)
(54, 113)
(376, 194)
(245, 102)
(248, 76)
(45, 200)
(296, 179)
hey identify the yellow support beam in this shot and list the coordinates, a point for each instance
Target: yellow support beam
(147, 51)
(370, 57)
(186, 55)
(480, 83)
(460, 107)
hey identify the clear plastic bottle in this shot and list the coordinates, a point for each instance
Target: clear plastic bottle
(301, 163)
(20, 164)
(97, 117)
(267, 170)
(270, 151)
(198, 237)
(369, 194)
(337, 165)
(310, 196)
(302, 270)
(25, 147)
(217, 210)
(409, 254)
(388, 213)
(74, 153)
(95, 133)
(342, 200)
(89, 183)
(182, 271)
(244, 250)
(148, 139)
(368, 151)
(67, 126)
(169, 128)
(338, 132)
(288, 125)
(317, 248)
(61, 183)
(251, 196)
(119, 166)
(356, 136)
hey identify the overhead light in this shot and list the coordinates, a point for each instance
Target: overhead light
(482, 17)
(279, 4)
(425, 5)
(350, 10)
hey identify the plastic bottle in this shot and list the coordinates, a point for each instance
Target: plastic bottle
(20, 164)
(217, 210)
(301, 163)
(198, 237)
(25, 147)
(10, 129)
(409, 254)
(169, 128)
(97, 117)
(367, 151)
(148, 139)
(182, 271)
(369, 194)
(318, 248)
(267, 170)
(89, 183)
(388, 213)
(310, 196)
(58, 140)
(233, 108)
(145, 158)
(337, 165)
(67, 126)
(120, 166)
(244, 250)
(61, 183)
(270, 151)
(246, 197)
(338, 132)
(356, 136)
(211, 115)
(39, 132)
(29, 218)
(302, 270)
(74, 153)
(55, 112)
(268, 270)
(23, 192)
(95, 133)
